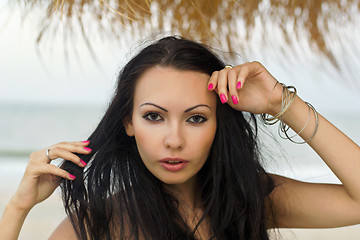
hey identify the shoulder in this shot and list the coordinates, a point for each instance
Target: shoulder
(118, 223)
(65, 230)
(297, 204)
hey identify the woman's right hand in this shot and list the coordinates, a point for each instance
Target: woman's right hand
(42, 178)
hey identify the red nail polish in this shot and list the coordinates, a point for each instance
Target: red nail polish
(87, 149)
(234, 99)
(72, 176)
(85, 141)
(238, 86)
(210, 86)
(83, 162)
(223, 98)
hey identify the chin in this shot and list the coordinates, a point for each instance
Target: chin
(172, 182)
(175, 180)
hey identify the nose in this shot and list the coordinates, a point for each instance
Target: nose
(174, 138)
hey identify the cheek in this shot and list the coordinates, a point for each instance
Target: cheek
(203, 140)
(207, 138)
(146, 140)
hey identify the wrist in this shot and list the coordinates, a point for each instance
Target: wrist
(275, 100)
(280, 101)
(15, 205)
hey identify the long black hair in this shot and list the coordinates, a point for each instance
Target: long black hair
(116, 197)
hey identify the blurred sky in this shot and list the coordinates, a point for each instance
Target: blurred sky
(31, 73)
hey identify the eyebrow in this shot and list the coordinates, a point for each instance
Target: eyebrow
(187, 110)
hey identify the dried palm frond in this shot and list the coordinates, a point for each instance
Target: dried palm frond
(231, 22)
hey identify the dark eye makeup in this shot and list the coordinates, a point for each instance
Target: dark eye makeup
(156, 117)
(197, 118)
(153, 116)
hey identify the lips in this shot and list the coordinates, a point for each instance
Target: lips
(173, 164)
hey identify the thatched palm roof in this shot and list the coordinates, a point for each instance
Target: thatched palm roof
(230, 23)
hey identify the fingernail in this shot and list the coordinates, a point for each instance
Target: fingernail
(85, 141)
(238, 86)
(234, 99)
(83, 162)
(72, 176)
(87, 149)
(210, 86)
(223, 98)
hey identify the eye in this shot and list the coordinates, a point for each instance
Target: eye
(197, 119)
(151, 116)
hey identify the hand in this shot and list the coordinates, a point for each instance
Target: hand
(247, 87)
(41, 178)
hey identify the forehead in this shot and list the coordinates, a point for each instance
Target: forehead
(164, 85)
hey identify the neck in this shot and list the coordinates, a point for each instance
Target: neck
(186, 193)
(190, 206)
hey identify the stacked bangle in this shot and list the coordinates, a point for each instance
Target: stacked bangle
(288, 96)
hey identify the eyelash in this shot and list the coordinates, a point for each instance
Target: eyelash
(204, 119)
(147, 117)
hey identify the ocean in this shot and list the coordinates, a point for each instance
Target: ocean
(25, 128)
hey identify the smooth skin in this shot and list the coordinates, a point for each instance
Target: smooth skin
(39, 181)
(178, 129)
(296, 204)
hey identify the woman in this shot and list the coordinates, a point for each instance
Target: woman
(176, 157)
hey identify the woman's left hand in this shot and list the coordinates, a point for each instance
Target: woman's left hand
(247, 87)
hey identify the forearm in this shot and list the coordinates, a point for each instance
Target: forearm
(338, 151)
(11, 222)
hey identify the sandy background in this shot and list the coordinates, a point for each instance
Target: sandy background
(45, 217)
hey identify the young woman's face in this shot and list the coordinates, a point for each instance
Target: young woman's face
(173, 122)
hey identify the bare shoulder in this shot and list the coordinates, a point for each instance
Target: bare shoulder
(118, 224)
(298, 204)
(65, 230)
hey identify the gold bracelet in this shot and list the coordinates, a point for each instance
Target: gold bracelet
(285, 104)
(286, 101)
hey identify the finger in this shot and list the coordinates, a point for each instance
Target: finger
(232, 81)
(80, 148)
(222, 85)
(80, 143)
(53, 170)
(59, 152)
(243, 74)
(212, 83)
(71, 146)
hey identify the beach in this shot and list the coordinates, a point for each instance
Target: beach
(47, 125)
(45, 217)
